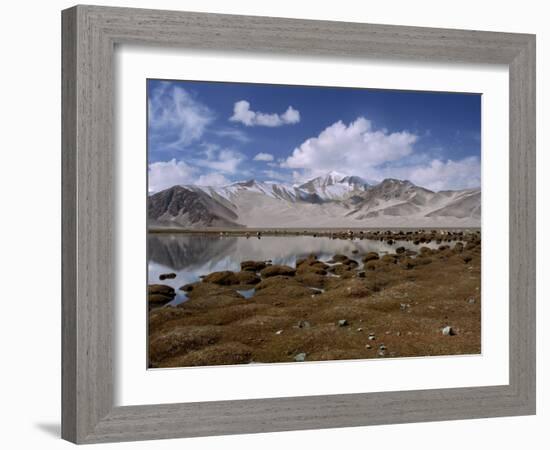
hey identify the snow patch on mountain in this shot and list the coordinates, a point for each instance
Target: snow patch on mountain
(331, 200)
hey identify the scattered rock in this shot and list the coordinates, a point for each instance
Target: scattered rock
(359, 330)
(471, 300)
(300, 357)
(404, 306)
(448, 331)
(368, 346)
(167, 276)
(343, 323)
(400, 250)
(304, 324)
(361, 274)
(279, 332)
(372, 338)
(466, 258)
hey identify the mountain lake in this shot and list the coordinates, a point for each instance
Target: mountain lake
(191, 256)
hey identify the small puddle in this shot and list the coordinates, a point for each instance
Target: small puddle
(247, 293)
(317, 290)
(181, 297)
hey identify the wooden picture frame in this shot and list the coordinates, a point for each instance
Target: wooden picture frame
(90, 34)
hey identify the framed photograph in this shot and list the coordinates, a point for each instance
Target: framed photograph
(277, 224)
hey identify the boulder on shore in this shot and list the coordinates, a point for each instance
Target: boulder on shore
(228, 278)
(161, 289)
(159, 294)
(246, 277)
(158, 299)
(223, 278)
(371, 256)
(277, 281)
(338, 258)
(272, 271)
(311, 266)
(371, 265)
(253, 266)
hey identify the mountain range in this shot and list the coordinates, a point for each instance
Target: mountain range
(331, 201)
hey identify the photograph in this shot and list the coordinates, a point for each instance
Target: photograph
(296, 224)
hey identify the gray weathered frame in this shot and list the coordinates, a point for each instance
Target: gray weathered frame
(89, 36)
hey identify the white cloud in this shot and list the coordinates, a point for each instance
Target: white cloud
(263, 157)
(440, 175)
(176, 119)
(226, 160)
(243, 114)
(291, 115)
(359, 149)
(355, 148)
(165, 174)
(277, 176)
(233, 133)
(213, 179)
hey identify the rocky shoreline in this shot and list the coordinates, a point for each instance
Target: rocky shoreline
(419, 302)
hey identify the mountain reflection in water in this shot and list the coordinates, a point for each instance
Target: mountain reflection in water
(193, 255)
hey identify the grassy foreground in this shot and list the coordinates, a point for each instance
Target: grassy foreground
(409, 303)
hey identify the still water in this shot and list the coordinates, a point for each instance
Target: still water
(190, 256)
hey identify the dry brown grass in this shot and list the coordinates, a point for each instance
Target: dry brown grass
(405, 304)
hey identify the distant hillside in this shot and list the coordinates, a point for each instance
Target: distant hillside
(329, 201)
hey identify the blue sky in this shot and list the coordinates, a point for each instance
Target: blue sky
(217, 133)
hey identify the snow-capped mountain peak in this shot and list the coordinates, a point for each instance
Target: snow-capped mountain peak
(354, 180)
(334, 186)
(332, 199)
